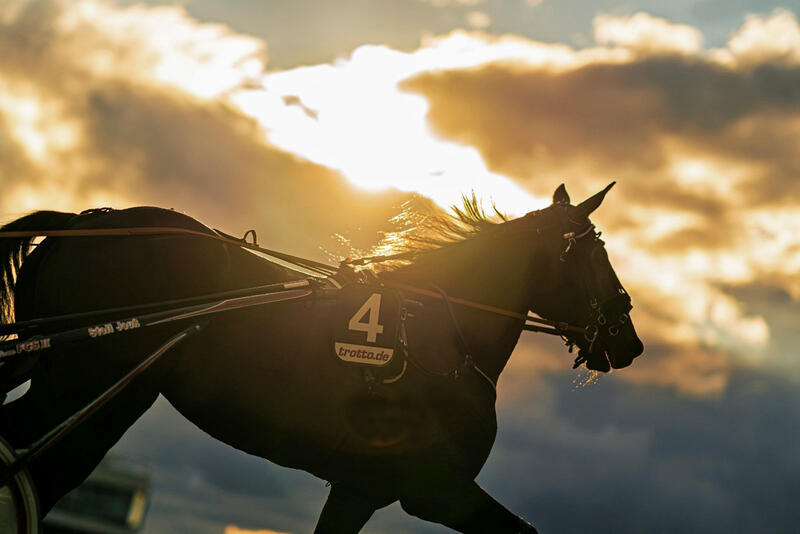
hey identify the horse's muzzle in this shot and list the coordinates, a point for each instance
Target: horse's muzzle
(623, 356)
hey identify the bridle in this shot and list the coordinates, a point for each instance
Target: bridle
(605, 314)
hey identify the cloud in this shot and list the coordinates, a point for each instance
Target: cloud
(703, 150)
(114, 117)
(352, 101)
(781, 310)
(647, 34)
(204, 60)
(478, 19)
(772, 39)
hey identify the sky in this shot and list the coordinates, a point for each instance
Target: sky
(313, 119)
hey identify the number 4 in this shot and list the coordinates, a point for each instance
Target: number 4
(372, 307)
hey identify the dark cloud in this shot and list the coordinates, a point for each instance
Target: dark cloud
(617, 457)
(27, 38)
(627, 121)
(781, 312)
(615, 117)
(719, 225)
(513, 115)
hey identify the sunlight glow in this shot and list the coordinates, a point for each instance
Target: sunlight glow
(655, 223)
(775, 239)
(376, 135)
(55, 195)
(36, 123)
(354, 118)
(205, 60)
(707, 175)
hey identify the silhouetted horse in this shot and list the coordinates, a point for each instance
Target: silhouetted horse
(265, 380)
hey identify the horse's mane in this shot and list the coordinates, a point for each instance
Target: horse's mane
(422, 227)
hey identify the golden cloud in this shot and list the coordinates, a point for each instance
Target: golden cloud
(764, 39)
(478, 19)
(647, 34)
(104, 106)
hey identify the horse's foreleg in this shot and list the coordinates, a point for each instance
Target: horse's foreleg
(466, 508)
(344, 512)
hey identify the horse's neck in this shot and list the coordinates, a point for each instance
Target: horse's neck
(496, 276)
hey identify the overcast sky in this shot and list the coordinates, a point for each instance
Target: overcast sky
(292, 116)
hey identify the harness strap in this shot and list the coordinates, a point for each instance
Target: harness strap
(379, 259)
(469, 361)
(558, 326)
(68, 425)
(15, 348)
(22, 327)
(317, 267)
(456, 326)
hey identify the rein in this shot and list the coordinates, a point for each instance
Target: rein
(558, 328)
(318, 268)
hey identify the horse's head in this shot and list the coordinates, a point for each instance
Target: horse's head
(581, 286)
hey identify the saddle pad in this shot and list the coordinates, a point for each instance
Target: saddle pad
(367, 324)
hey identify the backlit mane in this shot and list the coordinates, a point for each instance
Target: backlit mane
(424, 227)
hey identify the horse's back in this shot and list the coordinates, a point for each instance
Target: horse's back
(139, 216)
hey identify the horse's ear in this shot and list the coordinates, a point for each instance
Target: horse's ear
(561, 196)
(586, 207)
